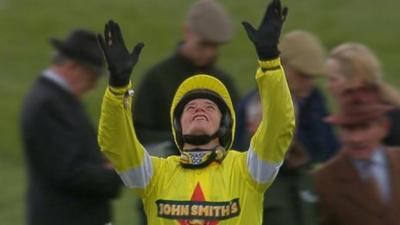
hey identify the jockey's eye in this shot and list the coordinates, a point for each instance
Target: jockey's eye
(210, 108)
(190, 108)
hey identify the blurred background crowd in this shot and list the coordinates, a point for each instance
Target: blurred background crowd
(340, 63)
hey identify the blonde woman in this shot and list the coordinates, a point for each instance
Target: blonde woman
(355, 77)
(351, 66)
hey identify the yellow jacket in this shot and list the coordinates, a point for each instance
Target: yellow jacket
(230, 192)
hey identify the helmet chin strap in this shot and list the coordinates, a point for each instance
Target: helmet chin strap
(199, 139)
(199, 158)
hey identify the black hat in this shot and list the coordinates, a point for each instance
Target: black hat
(82, 46)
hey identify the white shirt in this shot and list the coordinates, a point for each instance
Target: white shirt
(379, 169)
(56, 78)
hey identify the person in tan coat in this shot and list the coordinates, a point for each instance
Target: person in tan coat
(361, 184)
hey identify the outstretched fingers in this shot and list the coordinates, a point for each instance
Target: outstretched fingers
(137, 50)
(116, 32)
(101, 41)
(249, 29)
(270, 11)
(103, 46)
(277, 6)
(107, 33)
(284, 13)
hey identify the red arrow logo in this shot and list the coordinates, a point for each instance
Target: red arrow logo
(198, 196)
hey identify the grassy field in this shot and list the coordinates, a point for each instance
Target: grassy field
(26, 26)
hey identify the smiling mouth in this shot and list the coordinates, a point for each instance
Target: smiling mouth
(200, 117)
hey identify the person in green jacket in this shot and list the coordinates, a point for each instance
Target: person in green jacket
(206, 28)
(292, 199)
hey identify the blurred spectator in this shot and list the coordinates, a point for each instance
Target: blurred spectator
(355, 77)
(360, 185)
(69, 182)
(248, 114)
(303, 59)
(291, 199)
(206, 28)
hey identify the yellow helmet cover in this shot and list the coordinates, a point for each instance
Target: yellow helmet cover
(207, 83)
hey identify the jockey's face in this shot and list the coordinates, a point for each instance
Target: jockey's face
(200, 117)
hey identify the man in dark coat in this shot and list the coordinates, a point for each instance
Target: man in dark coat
(207, 27)
(69, 182)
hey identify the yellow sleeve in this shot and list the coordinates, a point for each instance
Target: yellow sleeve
(273, 136)
(118, 141)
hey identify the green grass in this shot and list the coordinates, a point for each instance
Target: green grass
(26, 26)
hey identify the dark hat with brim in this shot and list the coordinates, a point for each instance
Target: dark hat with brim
(82, 46)
(359, 114)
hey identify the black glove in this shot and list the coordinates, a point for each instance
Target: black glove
(120, 61)
(266, 38)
